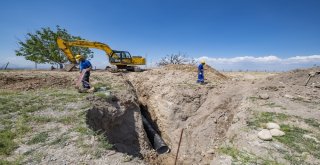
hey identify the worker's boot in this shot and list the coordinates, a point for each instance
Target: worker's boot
(91, 90)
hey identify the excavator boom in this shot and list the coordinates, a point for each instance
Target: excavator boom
(121, 59)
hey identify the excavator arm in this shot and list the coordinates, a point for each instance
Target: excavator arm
(65, 47)
(122, 59)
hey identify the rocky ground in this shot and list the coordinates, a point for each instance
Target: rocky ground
(44, 120)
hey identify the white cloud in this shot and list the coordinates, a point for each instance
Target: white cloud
(270, 62)
(298, 59)
(242, 59)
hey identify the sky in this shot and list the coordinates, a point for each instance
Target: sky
(269, 35)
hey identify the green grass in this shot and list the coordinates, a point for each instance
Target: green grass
(312, 122)
(294, 140)
(295, 159)
(100, 85)
(7, 144)
(39, 138)
(5, 162)
(104, 96)
(274, 105)
(20, 120)
(61, 140)
(261, 118)
(253, 98)
(82, 130)
(41, 119)
(67, 120)
(245, 157)
(103, 142)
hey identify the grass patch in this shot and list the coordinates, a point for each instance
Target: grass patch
(39, 138)
(7, 145)
(107, 96)
(82, 130)
(244, 157)
(41, 119)
(295, 159)
(17, 117)
(5, 162)
(103, 142)
(253, 98)
(260, 119)
(102, 86)
(61, 140)
(68, 119)
(312, 122)
(294, 140)
(274, 105)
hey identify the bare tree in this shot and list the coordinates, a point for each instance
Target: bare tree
(173, 59)
(192, 61)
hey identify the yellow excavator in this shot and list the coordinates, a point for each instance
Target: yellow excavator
(121, 59)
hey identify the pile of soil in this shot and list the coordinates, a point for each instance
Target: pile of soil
(31, 81)
(299, 77)
(292, 84)
(175, 101)
(192, 68)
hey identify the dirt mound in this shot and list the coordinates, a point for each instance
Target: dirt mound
(192, 68)
(174, 101)
(31, 81)
(292, 85)
(299, 77)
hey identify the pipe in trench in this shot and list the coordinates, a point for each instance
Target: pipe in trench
(155, 139)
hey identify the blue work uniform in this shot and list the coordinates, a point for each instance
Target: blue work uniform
(84, 64)
(200, 74)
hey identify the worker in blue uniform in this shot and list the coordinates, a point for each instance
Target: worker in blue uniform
(201, 72)
(84, 65)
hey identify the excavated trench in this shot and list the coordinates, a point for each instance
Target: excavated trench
(145, 120)
(127, 124)
(153, 132)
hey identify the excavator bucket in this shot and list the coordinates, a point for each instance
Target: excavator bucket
(69, 67)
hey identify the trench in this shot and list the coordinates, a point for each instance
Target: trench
(153, 132)
(127, 125)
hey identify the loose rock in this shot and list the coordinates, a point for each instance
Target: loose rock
(288, 96)
(265, 135)
(276, 132)
(264, 96)
(273, 126)
(211, 151)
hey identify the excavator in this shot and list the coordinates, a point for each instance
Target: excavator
(120, 59)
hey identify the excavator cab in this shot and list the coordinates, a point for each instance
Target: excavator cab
(120, 57)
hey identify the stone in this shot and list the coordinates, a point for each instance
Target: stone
(288, 96)
(273, 126)
(222, 160)
(210, 151)
(311, 138)
(265, 135)
(264, 96)
(276, 132)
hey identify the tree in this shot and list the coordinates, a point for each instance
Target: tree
(173, 59)
(176, 59)
(41, 47)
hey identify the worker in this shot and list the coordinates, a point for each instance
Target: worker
(86, 66)
(200, 72)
